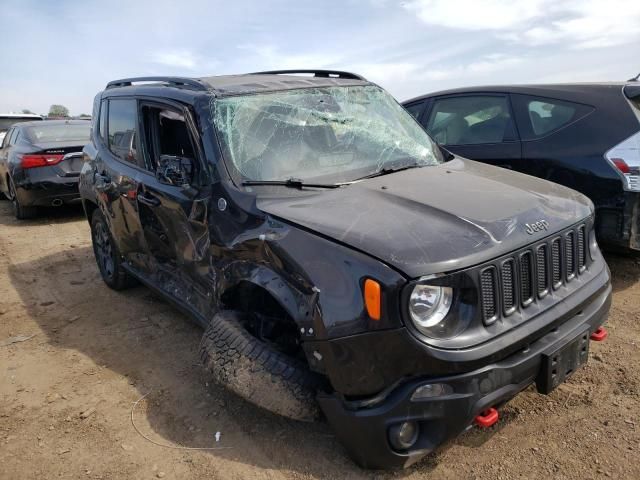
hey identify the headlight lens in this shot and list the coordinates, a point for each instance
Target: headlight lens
(428, 306)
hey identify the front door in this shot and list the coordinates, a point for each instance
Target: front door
(173, 204)
(476, 126)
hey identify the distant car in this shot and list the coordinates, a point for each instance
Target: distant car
(40, 163)
(583, 136)
(8, 119)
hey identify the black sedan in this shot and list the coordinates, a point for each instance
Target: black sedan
(583, 136)
(40, 164)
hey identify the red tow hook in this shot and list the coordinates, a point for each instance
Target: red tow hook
(599, 335)
(487, 418)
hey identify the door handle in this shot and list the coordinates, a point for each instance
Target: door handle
(148, 200)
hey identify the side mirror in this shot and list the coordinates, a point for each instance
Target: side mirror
(174, 170)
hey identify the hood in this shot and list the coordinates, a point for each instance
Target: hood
(436, 219)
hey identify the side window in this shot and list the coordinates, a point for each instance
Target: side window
(471, 120)
(14, 136)
(102, 124)
(415, 109)
(540, 116)
(122, 129)
(7, 137)
(166, 138)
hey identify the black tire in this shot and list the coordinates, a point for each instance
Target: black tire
(256, 371)
(20, 211)
(107, 255)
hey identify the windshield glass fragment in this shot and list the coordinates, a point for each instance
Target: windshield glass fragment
(332, 134)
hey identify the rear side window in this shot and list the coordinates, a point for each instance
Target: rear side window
(102, 124)
(123, 126)
(546, 117)
(540, 116)
(471, 120)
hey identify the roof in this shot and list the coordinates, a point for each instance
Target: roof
(533, 89)
(19, 115)
(53, 122)
(227, 85)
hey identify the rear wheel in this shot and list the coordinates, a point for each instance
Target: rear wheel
(20, 211)
(107, 255)
(256, 371)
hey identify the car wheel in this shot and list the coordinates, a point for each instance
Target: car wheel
(256, 371)
(107, 255)
(20, 211)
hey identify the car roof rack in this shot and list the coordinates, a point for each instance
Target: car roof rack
(316, 73)
(635, 79)
(173, 81)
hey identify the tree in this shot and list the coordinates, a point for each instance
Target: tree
(26, 111)
(58, 111)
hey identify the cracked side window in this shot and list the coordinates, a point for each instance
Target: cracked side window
(332, 134)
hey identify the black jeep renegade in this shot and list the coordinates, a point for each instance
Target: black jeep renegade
(338, 260)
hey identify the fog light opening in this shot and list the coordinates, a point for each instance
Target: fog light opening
(403, 436)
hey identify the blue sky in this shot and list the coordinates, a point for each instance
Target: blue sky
(66, 51)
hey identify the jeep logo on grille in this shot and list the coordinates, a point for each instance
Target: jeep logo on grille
(539, 226)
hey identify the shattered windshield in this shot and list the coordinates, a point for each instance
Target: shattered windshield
(332, 134)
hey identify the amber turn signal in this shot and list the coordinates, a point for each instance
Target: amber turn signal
(373, 298)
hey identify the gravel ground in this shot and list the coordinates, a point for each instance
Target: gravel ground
(88, 354)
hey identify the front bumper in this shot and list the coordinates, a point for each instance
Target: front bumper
(364, 430)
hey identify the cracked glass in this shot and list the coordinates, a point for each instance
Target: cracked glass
(330, 134)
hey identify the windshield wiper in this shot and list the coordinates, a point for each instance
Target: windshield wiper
(388, 170)
(291, 183)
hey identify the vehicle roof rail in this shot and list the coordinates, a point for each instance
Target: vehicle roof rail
(316, 73)
(634, 79)
(173, 81)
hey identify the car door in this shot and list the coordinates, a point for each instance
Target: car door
(478, 126)
(118, 167)
(4, 158)
(173, 201)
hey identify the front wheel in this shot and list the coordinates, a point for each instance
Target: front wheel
(256, 371)
(107, 255)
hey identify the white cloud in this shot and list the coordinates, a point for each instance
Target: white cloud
(175, 58)
(576, 23)
(476, 14)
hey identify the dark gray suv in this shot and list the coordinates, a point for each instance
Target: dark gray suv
(336, 258)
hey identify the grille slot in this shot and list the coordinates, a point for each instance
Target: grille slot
(582, 259)
(541, 271)
(555, 263)
(508, 286)
(569, 256)
(526, 280)
(488, 292)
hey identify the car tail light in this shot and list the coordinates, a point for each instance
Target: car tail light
(33, 161)
(625, 158)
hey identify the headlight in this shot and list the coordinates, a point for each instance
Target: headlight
(428, 307)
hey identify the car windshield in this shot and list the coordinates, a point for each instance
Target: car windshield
(332, 134)
(60, 132)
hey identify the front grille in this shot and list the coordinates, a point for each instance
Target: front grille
(528, 275)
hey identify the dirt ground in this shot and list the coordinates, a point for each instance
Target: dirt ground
(67, 391)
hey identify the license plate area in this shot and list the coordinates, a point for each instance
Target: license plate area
(559, 362)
